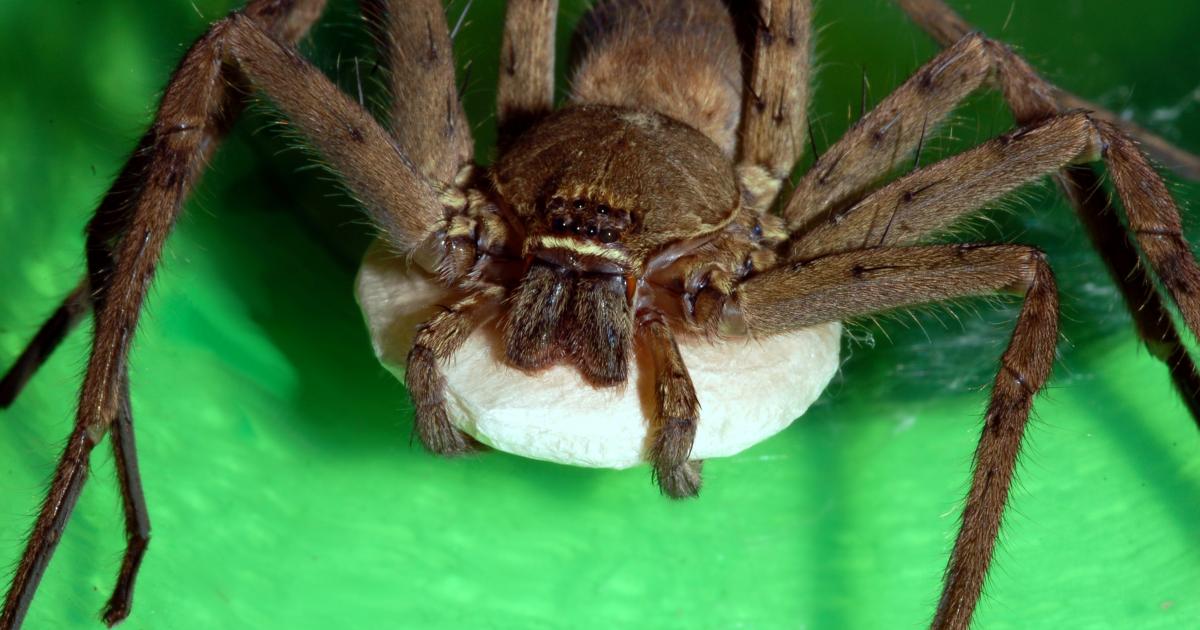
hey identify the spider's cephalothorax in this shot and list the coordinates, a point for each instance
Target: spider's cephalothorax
(601, 194)
(643, 209)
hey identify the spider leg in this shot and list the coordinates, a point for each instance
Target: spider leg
(875, 144)
(930, 199)
(1150, 316)
(436, 340)
(1032, 98)
(286, 19)
(425, 117)
(946, 27)
(526, 85)
(776, 98)
(137, 519)
(885, 136)
(857, 283)
(73, 309)
(676, 412)
(125, 241)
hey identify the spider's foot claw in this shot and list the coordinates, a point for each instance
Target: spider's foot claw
(680, 482)
(114, 613)
(677, 477)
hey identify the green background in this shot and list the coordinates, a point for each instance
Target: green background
(282, 485)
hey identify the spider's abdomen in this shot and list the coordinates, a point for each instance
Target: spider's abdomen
(679, 58)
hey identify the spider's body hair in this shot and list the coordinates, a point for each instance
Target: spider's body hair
(637, 211)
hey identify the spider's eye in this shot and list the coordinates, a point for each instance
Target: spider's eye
(608, 236)
(757, 232)
(579, 204)
(559, 224)
(590, 230)
(602, 209)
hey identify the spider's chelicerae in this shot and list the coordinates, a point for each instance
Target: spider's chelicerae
(669, 222)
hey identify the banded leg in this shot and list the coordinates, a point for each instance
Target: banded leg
(676, 413)
(774, 114)
(1158, 230)
(946, 27)
(286, 20)
(929, 200)
(426, 116)
(857, 283)
(398, 198)
(526, 86)
(437, 340)
(817, 209)
(886, 135)
(1151, 320)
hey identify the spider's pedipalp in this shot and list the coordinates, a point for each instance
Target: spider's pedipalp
(437, 340)
(676, 412)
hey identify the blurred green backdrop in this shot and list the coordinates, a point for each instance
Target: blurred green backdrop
(281, 483)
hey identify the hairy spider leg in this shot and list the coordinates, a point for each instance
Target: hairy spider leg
(288, 20)
(125, 244)
(74, 308)
(525, 92)
(774, 110)
(946, 27)
(886, 135)
(425, 114)
(845, 285)
(1032, 98)
(133, 501)
(933, 198)
(826, 219)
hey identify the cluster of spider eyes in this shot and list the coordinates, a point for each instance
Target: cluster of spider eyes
(576, 220)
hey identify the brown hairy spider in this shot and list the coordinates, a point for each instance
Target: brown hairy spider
(644, 209)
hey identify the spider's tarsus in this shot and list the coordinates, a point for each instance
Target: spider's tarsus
(440, 437)
(680, 482)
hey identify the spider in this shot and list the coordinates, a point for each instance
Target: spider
(868, 119)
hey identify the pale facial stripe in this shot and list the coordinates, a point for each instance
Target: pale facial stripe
(582, 247)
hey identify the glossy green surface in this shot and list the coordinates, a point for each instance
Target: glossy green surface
(275, 452)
